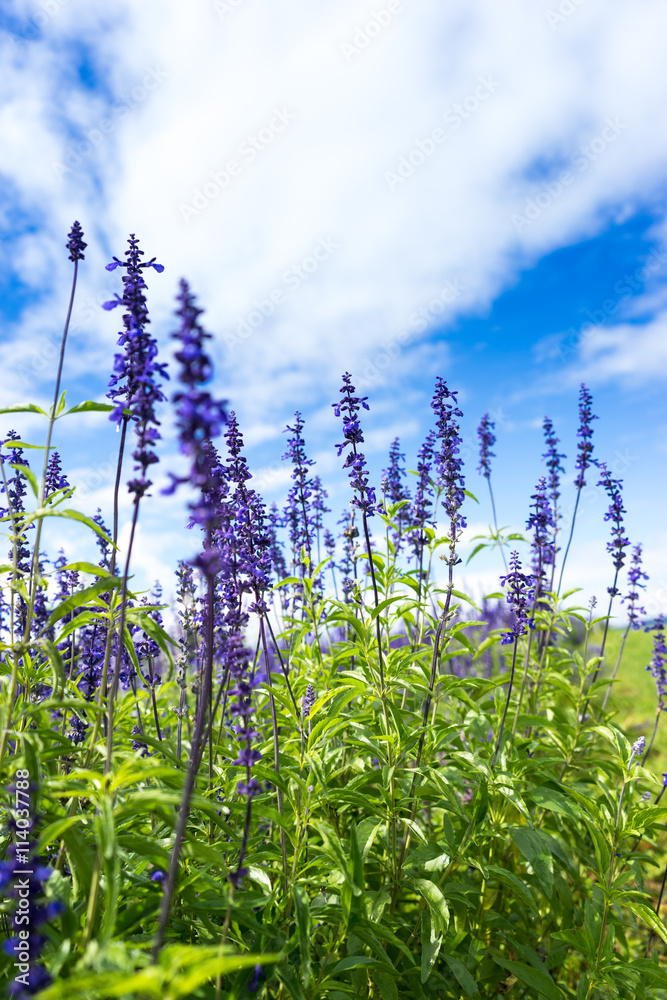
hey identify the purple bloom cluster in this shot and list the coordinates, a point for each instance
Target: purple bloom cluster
(616, 547)
(638, 748)
(75, 243)
(298, 515)
(395, 490)
(658, 664)
(422, 505)
(199, 416)
(487, 439)
(55, 478)
(134, 386)
(520, 594)
(635, 575)
(448, 462)
(552, 457)
(349, 406)
(585, 432)
(542, 522)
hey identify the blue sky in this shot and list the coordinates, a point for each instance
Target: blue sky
(395, 189)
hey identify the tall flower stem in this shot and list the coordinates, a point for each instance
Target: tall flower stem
(507, 704)
(618, 663)
(495, 522)
(76, 255)
(604, 642)
(196, 751)
(569, 542)
(121, 635)
(425, 714)
(276, 755)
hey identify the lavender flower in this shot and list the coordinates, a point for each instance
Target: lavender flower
(364, 498)
(638, 748)
(308, 701)
(199, 416)
(585, 432)
(658, 664)
(619, 542)
(134, 386)
(75, 243)
(396, 491)
(635, 574)
(421, 508)
(487, 439)
(55, 478)
(297, 511)
(542, 522)
(447, 461)
(552, 457)
(520, 594)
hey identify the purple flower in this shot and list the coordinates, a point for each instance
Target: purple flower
(658, 664)
(199, 416)
(75, 243)
(308, 700)
(134, 386)
(396, 491)
(348, 406)
(55, 478)
(421, 508)
(520, 594)
(585, 432)
(552, 457)
(635, 574)
(619, 542)
(487, 439)
(448, 461)
(638, 748)
(542, 522)
(297, 514)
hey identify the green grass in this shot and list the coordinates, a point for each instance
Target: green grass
(634, 696)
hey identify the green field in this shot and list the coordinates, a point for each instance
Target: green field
(634, 697)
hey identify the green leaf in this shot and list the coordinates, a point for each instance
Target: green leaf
(87, 567)
(23, 408)
(540, 981)
(73, 515)
(81, 861)
(513, 882)
(431, 943)
(386, 985)
(534, 846)
(549, 798)
(462, 976)
(88, 406)
(355, 962)
(436, 901)
(29, 475)
(81, 597)
(303, 926)
(649, 917)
